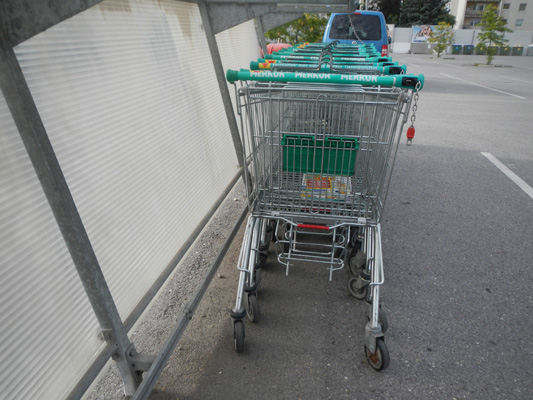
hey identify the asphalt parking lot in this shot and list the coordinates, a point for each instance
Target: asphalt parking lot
(458, 250)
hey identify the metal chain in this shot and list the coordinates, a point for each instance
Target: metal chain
(415, 105)
(413, 115)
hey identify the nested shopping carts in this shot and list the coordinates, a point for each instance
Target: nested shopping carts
(321, 146)
(330, 58)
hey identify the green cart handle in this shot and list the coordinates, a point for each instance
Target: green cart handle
(388, 70)
(335, 63)
(335, 52)
(338, 59)
(402, 81)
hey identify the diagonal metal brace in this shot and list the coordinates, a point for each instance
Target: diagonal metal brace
(139, 362)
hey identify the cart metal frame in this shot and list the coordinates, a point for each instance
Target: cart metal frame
(320, 163)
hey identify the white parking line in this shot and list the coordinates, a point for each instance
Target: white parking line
(483, 86)
(510, 174)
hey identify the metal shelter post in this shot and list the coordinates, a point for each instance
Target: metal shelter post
(57, 192)
(223, 86)
(261, 34)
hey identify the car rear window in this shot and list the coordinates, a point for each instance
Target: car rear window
(346, 26)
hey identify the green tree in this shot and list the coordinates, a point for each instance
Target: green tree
(442, 37)
(425, 12)
(492, 30)
(308, 28)
(389, 8)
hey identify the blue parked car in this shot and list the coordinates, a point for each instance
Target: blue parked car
(360, 26)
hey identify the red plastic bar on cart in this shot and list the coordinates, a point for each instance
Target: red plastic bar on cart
(307, 226)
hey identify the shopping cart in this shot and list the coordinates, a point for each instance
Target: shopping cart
(330, 58)
(330, 66)
(321, 148)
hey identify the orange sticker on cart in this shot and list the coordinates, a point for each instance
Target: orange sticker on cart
(335, 188)
(318, 182)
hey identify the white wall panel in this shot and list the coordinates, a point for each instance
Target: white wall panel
(128, 95)
(238, 46)
(48, 332)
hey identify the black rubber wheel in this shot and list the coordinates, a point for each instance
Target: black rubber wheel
(286, 233)
(359, 294)
(257, 276)
(251, 287)
(274, 226)
(265, 243)
(356, 237)
(261, 261)
(382, 319)
(381, 358)
(356, 244)
(353, 268)
(252, 312)
(238, 336)
(356, 262)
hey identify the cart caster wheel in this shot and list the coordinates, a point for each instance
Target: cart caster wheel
(263, 246)
(251, 288)
(358, 293)
(355, 244)
(382, 319)
(273, 227)
(262, 259)
(269, 237)
(238, 336)
(358, 235)
(257, 276)
(357, 262)
(353, 268)
(381, 358)
(287, 239)
(252, 312)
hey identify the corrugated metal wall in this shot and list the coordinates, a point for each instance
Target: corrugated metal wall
(129, 98)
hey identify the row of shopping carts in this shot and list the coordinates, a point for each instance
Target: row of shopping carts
(320, 126)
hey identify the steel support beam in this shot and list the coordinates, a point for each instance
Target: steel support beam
(222, 83)
(225, 15)
(57, 192)
(273, 20)
(22, 19)
(261, 34)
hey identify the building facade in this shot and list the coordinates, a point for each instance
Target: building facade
(518, 14)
